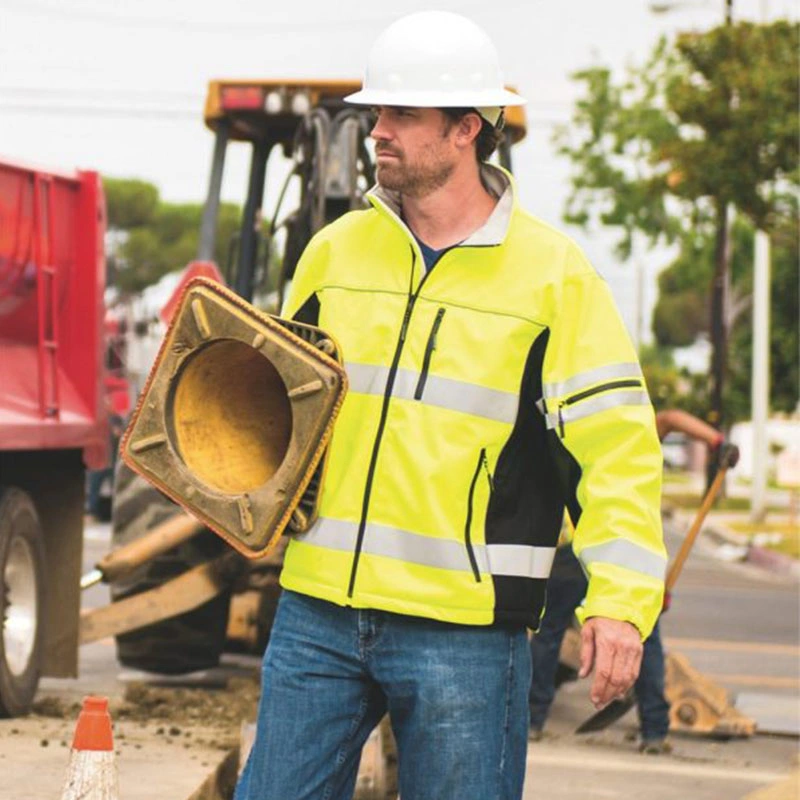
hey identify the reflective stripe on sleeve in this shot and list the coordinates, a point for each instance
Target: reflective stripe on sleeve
(522, 561)
(596, 404)
(624, 553)
(466, 398)
(583, 380)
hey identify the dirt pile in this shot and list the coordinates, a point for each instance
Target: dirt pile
(206, 716)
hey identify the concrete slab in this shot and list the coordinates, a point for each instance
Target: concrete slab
(152, 761)
(773, 713)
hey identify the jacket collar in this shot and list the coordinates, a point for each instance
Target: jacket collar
(493, 232)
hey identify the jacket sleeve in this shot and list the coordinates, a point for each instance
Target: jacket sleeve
(597, 409)
(308, 278)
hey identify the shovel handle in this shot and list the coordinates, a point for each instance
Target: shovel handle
(688, 542)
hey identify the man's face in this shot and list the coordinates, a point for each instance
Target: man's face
(414, 149)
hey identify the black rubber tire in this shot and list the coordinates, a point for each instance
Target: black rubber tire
(190, 641)
(22, 579)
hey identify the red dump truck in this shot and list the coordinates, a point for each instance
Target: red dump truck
(52, 418)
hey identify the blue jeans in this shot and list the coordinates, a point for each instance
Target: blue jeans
(456, 696)
(566, 589)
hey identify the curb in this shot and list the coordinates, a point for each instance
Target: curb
(717, 534)
(772, 561)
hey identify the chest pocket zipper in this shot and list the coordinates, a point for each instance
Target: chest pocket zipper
(429, 348)
(483, 464)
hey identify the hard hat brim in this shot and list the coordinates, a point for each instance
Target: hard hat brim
(436, 99)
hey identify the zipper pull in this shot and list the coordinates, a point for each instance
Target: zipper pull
(561, 420)
(485, 462)
(436, 323)
(406, 318)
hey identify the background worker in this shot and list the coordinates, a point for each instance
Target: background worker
(491, 381)
(566, 589)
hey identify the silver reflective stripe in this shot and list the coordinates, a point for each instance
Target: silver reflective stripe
(467, 398)
(624, 553)
(583, 380)
(596, 404)
(520, 561)
(366, 378)
(381, 540)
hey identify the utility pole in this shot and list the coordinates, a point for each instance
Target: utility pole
(719, 300)
(760, 375)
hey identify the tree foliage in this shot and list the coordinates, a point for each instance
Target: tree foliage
(710, 120)
(734, 91)
(149, 237)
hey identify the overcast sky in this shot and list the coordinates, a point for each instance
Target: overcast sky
(118, 86)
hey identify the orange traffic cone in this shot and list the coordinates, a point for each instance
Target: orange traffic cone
(92, 773)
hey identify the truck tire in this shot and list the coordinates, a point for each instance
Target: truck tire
(190, 641)
(21, 601)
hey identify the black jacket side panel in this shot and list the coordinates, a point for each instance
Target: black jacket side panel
(527, 504)
(569, 474)
(308, 312)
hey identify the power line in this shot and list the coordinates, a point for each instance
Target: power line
(258, 26)
(254, 26)
(169, 95)
(101, 111)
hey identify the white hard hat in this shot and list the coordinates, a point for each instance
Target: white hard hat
(435, 59)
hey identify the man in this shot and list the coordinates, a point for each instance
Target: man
(491, 382)
(567, 587)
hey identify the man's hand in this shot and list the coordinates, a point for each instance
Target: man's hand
(614, 649)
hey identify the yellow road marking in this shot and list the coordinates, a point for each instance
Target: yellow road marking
(542, 755)
(755, 680)
(733, 647)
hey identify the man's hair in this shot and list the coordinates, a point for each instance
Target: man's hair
(488, 137)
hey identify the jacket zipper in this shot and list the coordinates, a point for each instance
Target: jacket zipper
(603, 387)
(362, 526)
(483, 463)
(429, 348)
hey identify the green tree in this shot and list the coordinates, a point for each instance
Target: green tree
(149, 238)
(709, 121)
(683, 288)
(130, 203)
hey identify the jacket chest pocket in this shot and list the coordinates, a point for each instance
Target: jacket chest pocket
(459, 351)
(430, 347)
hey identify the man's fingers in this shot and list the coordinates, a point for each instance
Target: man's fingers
(587, 650)
(630, 659)
(615, 651)
(603, 689)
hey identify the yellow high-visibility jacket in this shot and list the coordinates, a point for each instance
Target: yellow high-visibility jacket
(484, 396)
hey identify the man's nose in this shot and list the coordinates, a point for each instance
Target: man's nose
(380, 130)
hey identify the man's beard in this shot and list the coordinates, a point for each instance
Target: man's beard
(415, 180)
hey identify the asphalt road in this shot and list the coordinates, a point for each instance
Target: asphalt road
(736, 623)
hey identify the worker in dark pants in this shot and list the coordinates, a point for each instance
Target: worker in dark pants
(566, 589)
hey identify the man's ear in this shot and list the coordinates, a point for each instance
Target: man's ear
(467, 129)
